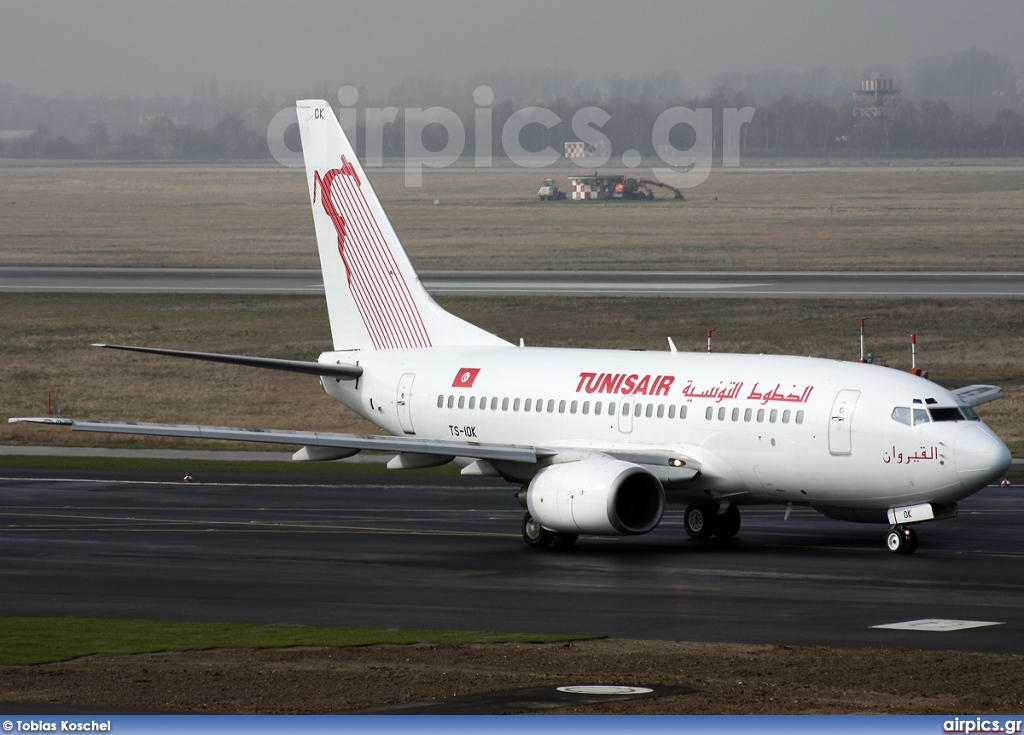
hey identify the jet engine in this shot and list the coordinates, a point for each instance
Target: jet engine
(599, 496)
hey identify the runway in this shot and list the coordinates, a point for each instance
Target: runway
(445, 552)
(738, 284)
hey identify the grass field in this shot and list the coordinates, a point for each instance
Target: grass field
(940, 217)
(44, 351)
(25, 640)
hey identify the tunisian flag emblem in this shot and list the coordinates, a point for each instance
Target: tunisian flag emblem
(465, 377)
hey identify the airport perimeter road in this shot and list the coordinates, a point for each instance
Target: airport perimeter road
(934, 285)
(445, 552)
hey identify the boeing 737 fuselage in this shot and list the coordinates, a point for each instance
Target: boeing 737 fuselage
(600, 440)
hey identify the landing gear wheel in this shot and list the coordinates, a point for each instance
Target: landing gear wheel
(535, 535)
(894, 541)
(565, 540)
(700, 521)
(901, 540)
(911, 541)
(728, 524)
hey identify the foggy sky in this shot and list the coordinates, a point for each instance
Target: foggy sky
(136, 47)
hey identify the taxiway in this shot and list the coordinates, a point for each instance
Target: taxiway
(442, 551)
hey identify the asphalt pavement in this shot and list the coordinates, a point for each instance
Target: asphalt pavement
(445, 552)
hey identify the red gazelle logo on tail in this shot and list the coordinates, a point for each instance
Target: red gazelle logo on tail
(374, 279)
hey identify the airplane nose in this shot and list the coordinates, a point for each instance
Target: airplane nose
(980, 456)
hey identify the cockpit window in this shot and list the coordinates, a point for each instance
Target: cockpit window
(918, 416)
(902, 415)
(947, 414)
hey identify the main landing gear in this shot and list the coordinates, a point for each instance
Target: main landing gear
(704, 521)
(538, 537)
(901, 540)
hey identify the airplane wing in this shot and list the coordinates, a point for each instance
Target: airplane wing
(668, 467)
(357, 442)
(975, 395)
(341, 371)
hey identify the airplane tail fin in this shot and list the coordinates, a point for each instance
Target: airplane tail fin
(374, 297)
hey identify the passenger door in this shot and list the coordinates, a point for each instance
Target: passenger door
(840, 425)
(402, 400)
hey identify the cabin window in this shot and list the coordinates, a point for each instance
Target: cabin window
(625, 409)
(661, 410)
(528, 405)
(748, 414)
(721, 413)
(561, 406)
(494, 403)
(504, 404)
(773, 416)
(638, 409)
(472, 401)
(597, 408)
(682, 412)
(921, 416)
(785, 416)
(540, 405)
(709, 413)
(671, 412)
(799, 417)
(462, 401)
(451, 401)
(573, 406)
(586, 407)
(611, 408)
(515, 404)
(551, 405)
(760, 415)
(440, 401)
(650, 410)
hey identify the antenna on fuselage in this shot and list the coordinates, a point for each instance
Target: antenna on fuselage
(862, 320)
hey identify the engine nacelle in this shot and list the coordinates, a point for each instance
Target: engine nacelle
(601, 496)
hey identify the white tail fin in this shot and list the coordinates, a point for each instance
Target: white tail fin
(374, 297)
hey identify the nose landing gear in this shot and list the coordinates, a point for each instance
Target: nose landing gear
(901, 540)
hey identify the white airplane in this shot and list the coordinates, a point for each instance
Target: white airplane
(600, 440)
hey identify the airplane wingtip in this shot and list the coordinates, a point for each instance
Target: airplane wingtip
(40, 420)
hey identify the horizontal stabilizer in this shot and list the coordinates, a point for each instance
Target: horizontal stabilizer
(975, 395)
(304, 438)
(345, 372)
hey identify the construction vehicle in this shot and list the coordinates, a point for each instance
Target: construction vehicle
(549, 192)
(641, 189)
